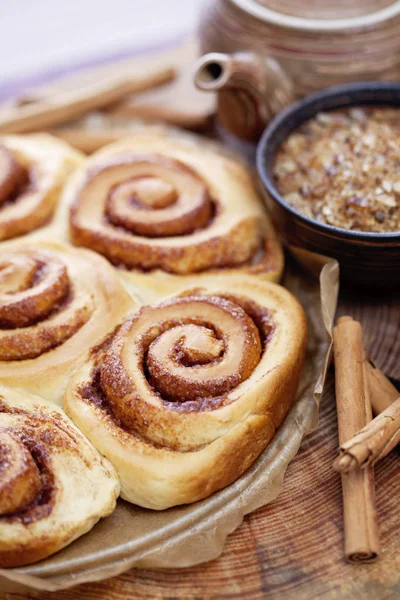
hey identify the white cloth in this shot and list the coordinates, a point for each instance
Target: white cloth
(38, 35)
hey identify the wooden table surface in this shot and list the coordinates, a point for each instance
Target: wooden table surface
(290, 549)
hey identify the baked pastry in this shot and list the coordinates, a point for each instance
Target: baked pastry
(187, 393)
(33, 170)
(166, 208)
(55, 302)
(54, 485)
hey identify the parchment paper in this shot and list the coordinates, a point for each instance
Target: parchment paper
(189, 535)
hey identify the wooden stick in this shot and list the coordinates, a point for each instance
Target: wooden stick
(361, 539)
(382, 391)
(372, 443)
(70, 104)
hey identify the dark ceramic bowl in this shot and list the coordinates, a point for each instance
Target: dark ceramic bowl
(367, 259)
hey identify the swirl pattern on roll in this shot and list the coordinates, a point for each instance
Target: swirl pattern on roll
(39, 307)
(54, 486)
(33, 170)
(157, 203)
(184, 382)
(54, 303)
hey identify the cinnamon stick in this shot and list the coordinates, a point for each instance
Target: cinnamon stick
(70, 104)
(372, 443)
(382, 391)
(361, 539)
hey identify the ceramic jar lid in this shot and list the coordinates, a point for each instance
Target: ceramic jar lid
(320, 15)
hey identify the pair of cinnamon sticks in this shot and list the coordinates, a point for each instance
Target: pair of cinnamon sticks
(361, 389)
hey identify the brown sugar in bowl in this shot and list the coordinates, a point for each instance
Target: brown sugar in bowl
(367, 259)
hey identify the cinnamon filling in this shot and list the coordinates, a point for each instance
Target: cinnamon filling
(149, 196)
(27, 484)
(27, 442)
(158, 207)
(38, 307)
(13, 177)
(27, 196)
(30, 289)
(20, 481)
(188, 353)
(151, 212)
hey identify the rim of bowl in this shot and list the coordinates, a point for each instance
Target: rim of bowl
(333, 98)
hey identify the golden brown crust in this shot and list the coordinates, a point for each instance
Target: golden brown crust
(268, 265)
(54, 485)
(185, 394)
(55, 302)
(34, 169)
(156, 205)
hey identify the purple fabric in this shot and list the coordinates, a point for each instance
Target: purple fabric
(14, 87)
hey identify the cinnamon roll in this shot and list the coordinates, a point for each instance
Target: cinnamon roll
(184, 396)
(158, 205)
(33, 170)
(55, 302)
(54, 485)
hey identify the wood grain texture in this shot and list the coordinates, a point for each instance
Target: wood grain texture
(290, 549)
(379, 315)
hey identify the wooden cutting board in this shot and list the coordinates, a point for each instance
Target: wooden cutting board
(292, 548)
